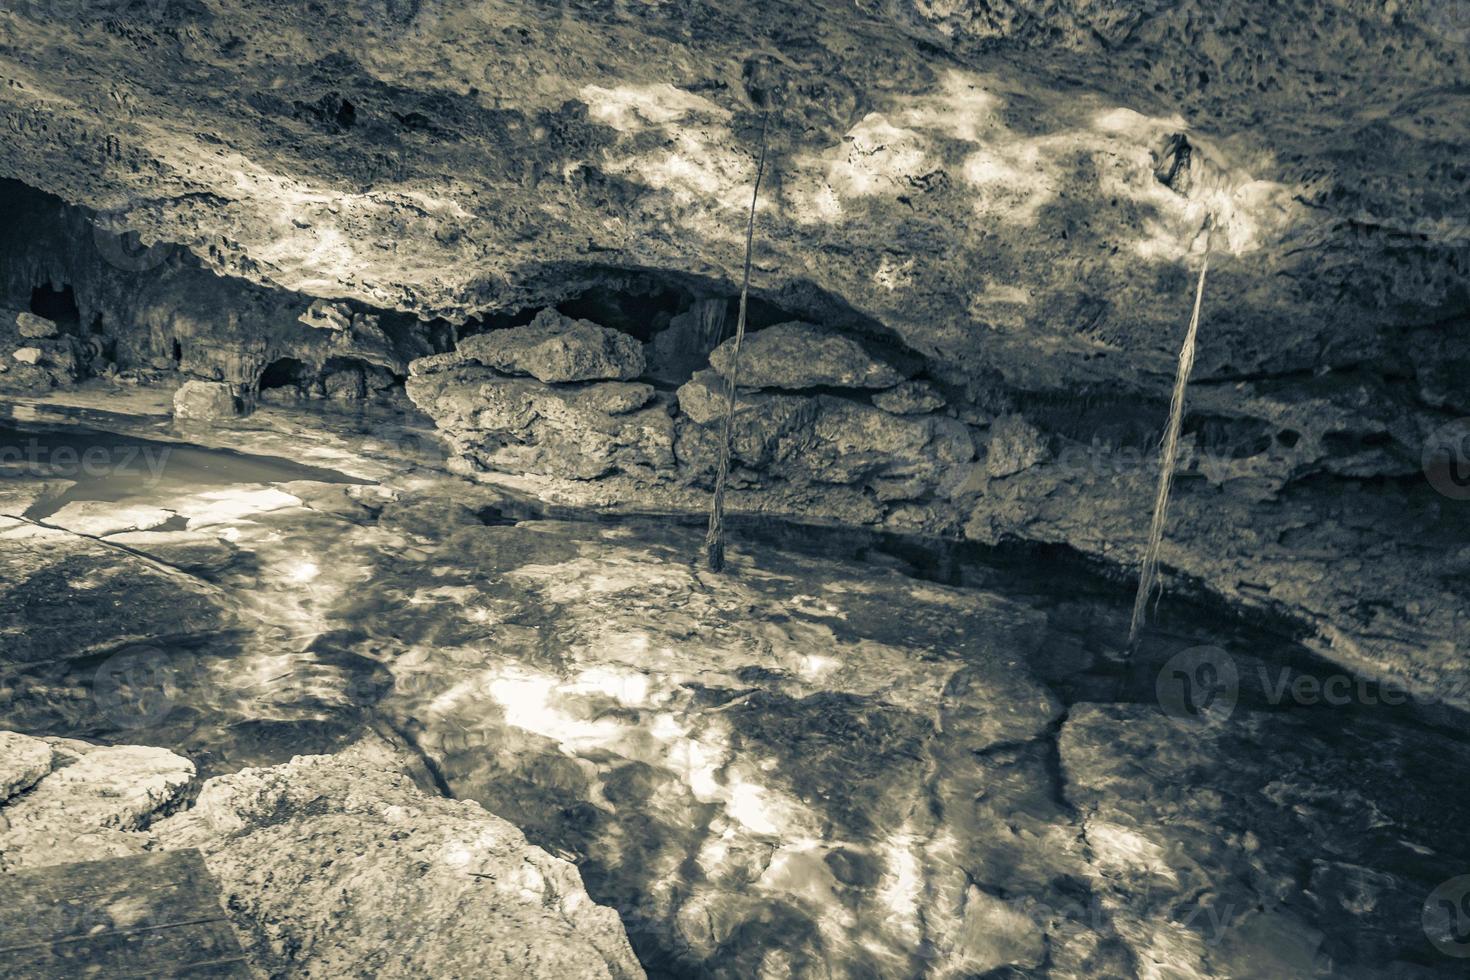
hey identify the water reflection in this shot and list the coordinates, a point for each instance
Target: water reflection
(809, 764)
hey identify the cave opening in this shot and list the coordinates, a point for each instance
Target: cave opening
(285, 372)
(57, 305)
(641, 309)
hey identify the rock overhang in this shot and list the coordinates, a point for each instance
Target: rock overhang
(988, 180)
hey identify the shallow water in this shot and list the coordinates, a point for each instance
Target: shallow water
(581, 677)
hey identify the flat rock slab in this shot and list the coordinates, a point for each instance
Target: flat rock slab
(89, 802)
(144, 915)
(553, 347)
(99, 517)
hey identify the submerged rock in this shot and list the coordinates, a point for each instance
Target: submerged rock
(337, 866)
(99, 517)
(762, 771)
(1260, 844)
(555, 348)
(802, 355)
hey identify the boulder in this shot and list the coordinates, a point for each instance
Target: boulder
(614, 397)
(84, 802)
(23, 760)
(521, 425)
(35, 327)
(554, 347)
(802, 355)
(204, 400)
(336, 866)
(28, 355)
(1015, 445)
(824, 440)
(910, 398)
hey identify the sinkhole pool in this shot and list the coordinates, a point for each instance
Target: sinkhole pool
(812, 764)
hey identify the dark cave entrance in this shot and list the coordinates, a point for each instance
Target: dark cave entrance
(642, 310)
(57, 305)
(286, 372)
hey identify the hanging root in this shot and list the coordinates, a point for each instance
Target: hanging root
(714, 539)
(1168, 459)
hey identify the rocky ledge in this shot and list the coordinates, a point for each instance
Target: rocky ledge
(1304, 503)
(330, 865)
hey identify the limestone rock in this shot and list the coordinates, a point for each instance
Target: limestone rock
(204, 400)
(23, 760)
(802, 355)
(344, 385)
(99, 517)
(337, 866)
(554, 348)
(326, 315)
(34, 327)
(435, 362)
(92, 802)
(1015, 445)
(521, 425)
(28, 355)
(910, 398)
(614, 397)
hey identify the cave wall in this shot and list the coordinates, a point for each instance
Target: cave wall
(141, 314)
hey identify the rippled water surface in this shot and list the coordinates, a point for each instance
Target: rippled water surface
(826, 729)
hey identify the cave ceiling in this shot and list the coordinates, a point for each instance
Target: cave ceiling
(1013, 188)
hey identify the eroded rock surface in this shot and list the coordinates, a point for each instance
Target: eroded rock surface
(330, 865)
(339, 866)
(204, 400)
(554, 348)
(82, 802)
(802, 355)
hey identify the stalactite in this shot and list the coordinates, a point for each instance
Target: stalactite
(714, 541)
(1148, 571)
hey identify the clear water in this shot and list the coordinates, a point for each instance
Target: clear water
(344, 618)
